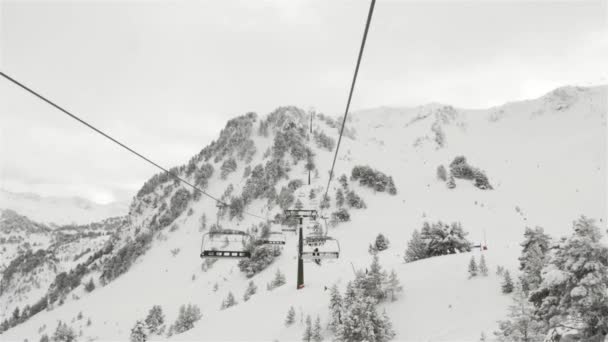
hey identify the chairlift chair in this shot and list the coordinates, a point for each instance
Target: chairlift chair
(225, 243)
(320, 247)
(274, 238)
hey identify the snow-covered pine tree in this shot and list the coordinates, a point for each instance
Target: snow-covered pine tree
(373, 282)
(533, 257)
(317, 336)
(250, 291)
(574, 288)
(442, 238)
(307, 336)
(339, 198)
(361, 322)
(64, 333)
(186, 318)
(335, 308)
(90, 286)
(155, 319)
(507, 282)
(139, 332)
(393, 286)
(381, 242)
(291, 316)
(351, 292)
(532, 265)
(279, 279)
(229, 301)
(416, 248)
(472, 267)
(343, 181)
(521, 325)
(483, 267)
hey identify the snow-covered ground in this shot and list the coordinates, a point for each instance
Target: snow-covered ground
(546, 157)
(60, 210)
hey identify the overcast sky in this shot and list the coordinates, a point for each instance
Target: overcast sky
(164, 76)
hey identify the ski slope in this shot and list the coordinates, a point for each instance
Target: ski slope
(545, 156)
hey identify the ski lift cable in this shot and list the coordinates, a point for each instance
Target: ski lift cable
(350, 95)
(116, 141)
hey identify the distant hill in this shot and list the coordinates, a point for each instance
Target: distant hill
(60, 210)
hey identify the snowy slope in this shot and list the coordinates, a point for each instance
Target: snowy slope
(546, 156)
(60, 210)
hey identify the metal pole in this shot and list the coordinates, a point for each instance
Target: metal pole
(300, 261)
(311, 114)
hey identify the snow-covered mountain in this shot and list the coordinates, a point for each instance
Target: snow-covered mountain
(544, 159)
(32, 255)
(60, 210)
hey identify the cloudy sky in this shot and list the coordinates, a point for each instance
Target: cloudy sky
(164, 76)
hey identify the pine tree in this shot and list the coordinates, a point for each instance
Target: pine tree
(472, 267)
(229, 301)
(307, 330)
(361, 322)
(416, 248)
(381, 242)
(250, 291)
(279, 279)
(316, 331)
(507, 282)
(64, 333)
(335, 308)
(575, 283)
(442, 238)
(90, 286)
(533, 257)
(393, 286)
(44, 338)
(483, 268)
(291, 316)
(374, 280)
(186, 318)
(521, 326)
(532, 266)
(139, 332)
(155, 319)
(339, 198)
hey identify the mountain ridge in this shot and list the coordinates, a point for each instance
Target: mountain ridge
(255, 164)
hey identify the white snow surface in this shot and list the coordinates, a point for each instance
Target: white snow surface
(546, 156)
